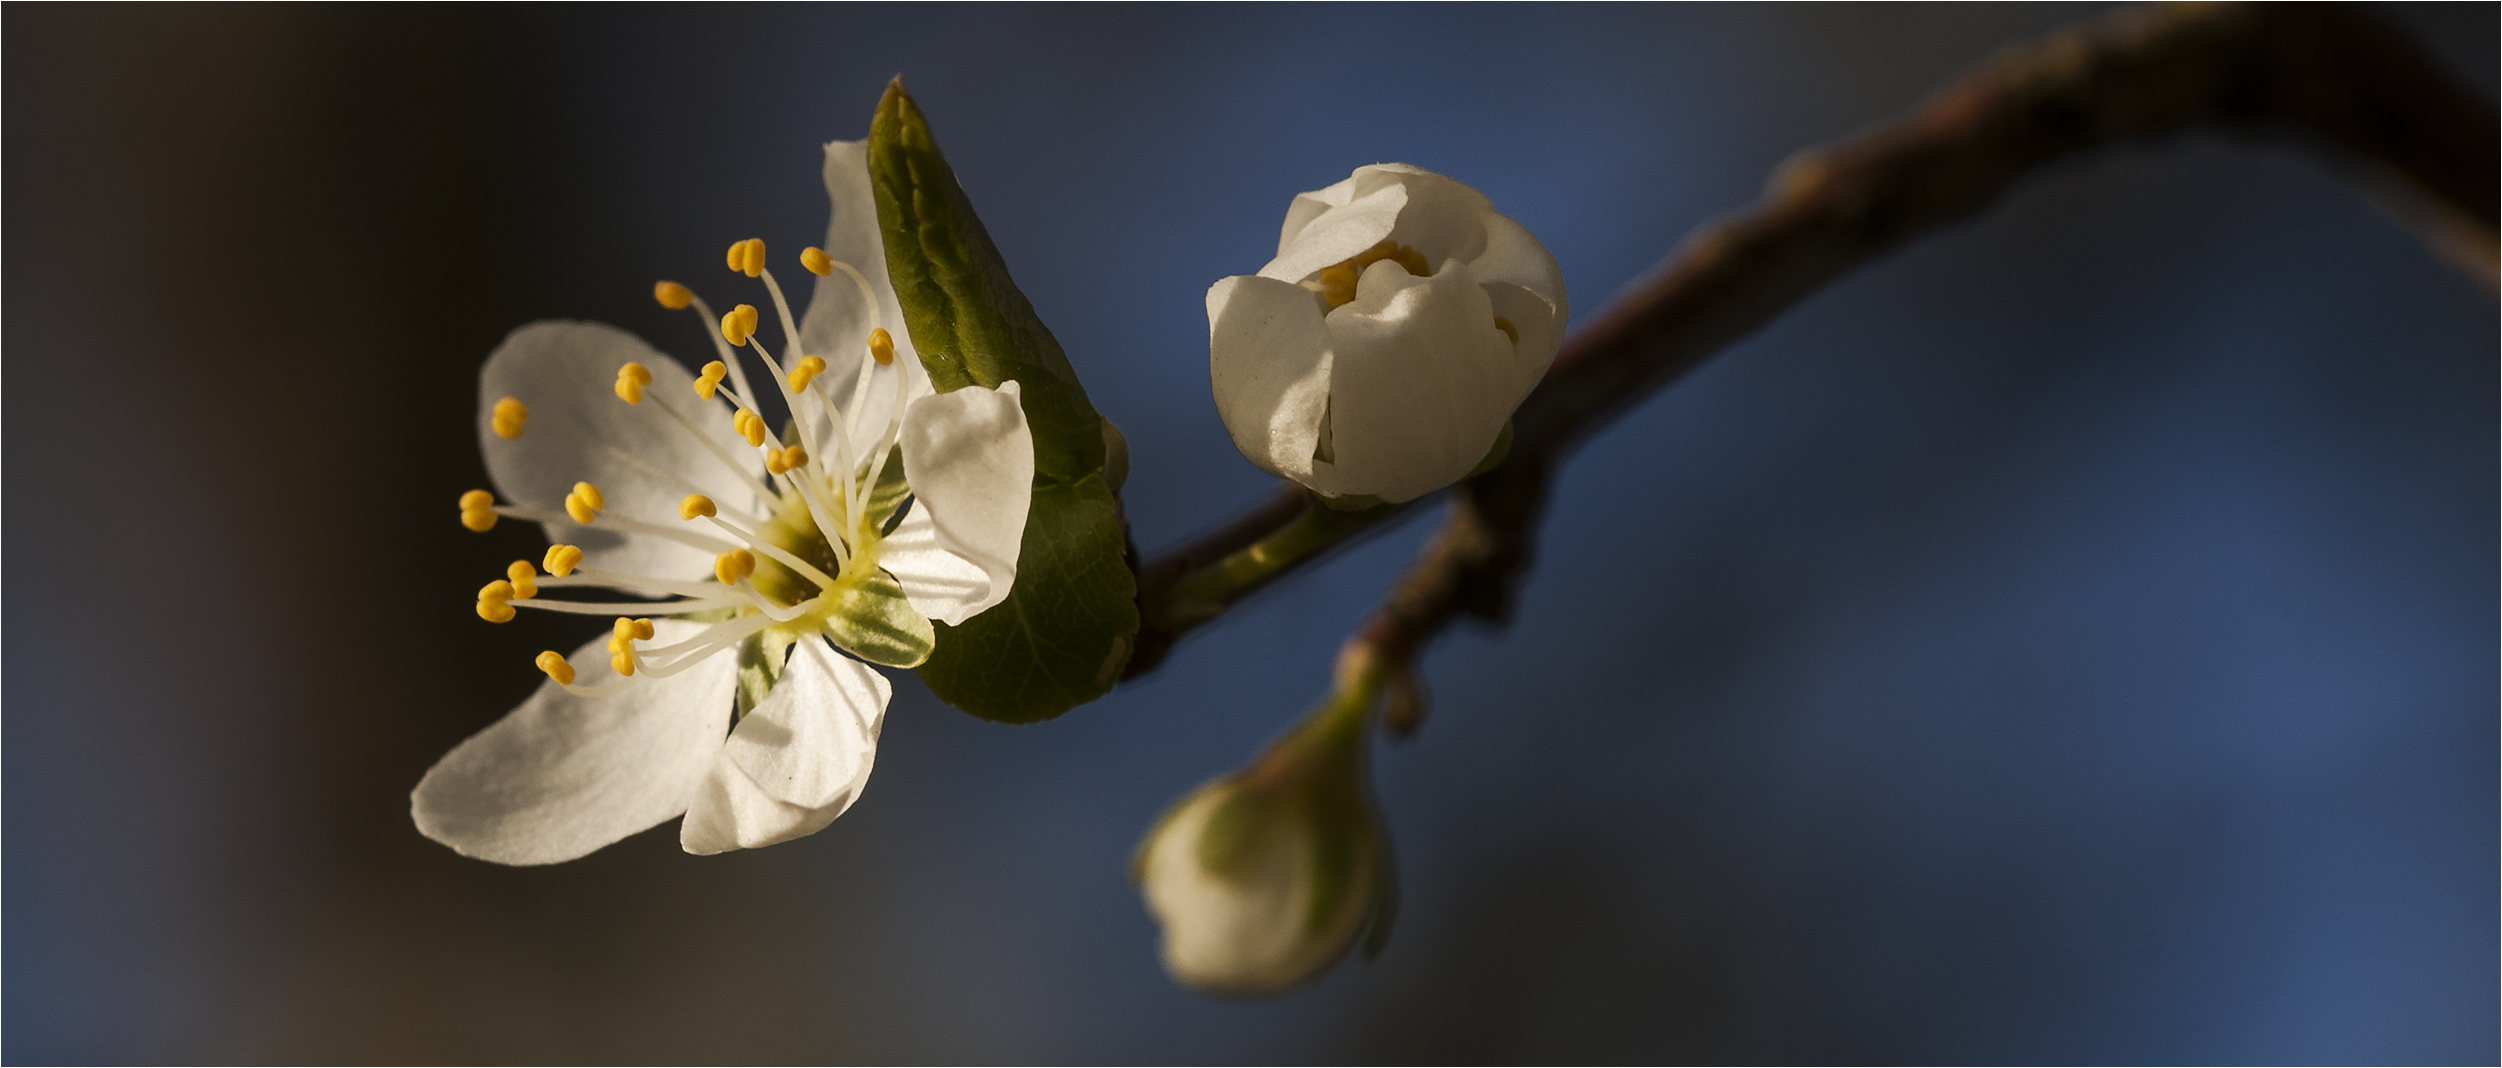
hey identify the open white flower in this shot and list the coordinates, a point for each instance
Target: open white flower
(887, 505)
(1382, 351)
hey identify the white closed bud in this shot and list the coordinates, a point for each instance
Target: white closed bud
(1262, 880)
(1383, 350)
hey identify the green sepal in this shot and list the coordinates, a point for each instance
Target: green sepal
(886, 493)
(760, 662)
(872, 620)
(968, 321)
(1066, 629)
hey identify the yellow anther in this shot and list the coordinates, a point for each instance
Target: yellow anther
(816, 261)
(694, 505)
(794, 458)
(631, 379)
(881, 346)
(1509, 331)
(477, 510)
(774, 463)
(495, 601)
(525, 579)
(508, 415)
(750, 426)
(554, 664)
(560, 559)
(672, 296)
(476, 500)
(710, 380)
(734, 565)
(1337, 284)
(804, 372)
(748, 257)
(620, 632)
(643, 629)
(621, 663)
(589, 494)
(1337, 281)
(739, 323)
(581, 512)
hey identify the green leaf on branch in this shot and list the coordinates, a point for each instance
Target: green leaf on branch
(1064, 633)
(968, 321)
(1069, 623)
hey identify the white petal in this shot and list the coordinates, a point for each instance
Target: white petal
(1268, 364)
(1541, 330)
(969, 458)
(1338, 233)
(811, 741)
(796, 762)
(1250, 933)
(562, 775)
(1443, 218)
(579, 431)
(1309, 206)
(1421, 385)
(1512, 254)
(837, 324)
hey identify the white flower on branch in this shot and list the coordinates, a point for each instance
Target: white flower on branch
(1383, 350)
(757, 562)
(1263, 879)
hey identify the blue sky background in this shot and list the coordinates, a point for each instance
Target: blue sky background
(2072, 638)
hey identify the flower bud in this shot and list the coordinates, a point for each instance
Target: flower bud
(1383, 350)
(1263, 879)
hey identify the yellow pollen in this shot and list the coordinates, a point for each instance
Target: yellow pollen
(477, 510)
(560, 559)
(694, 505)
(584, 503)
(1509, 331)
(622, 663)
(816, 261)
(710, 380)
(749, 426)
(672, 296)
(748, 257)
(1337, 281)
(739, 324)
(631, 379)
(525, 579)
(734, 565)
(554, 664)
(508, 416)
(881, 346)
(620, 634)
(643, 629)
(794, 458)
(804, 372)
(495, 602)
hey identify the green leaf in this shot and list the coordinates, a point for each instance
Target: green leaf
(872, 621)
(968, 320)
(1067, 627)
(1063, 634)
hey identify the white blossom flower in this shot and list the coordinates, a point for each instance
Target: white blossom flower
(1263, 879)
(1383, 350)
(771, 558)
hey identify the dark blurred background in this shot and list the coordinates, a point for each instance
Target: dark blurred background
(2070, 639)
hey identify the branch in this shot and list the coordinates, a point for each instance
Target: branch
(2330, 79)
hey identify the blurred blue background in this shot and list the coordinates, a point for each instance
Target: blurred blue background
(2072, 638)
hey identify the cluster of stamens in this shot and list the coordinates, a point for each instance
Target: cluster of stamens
(830, 491)
(1336, 283)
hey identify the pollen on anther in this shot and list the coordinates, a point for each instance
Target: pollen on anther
(696, 504)
(643, 630)
(734, 565)
(749, 426)
(748, 257)
(804, 372)
(631, 379)
(507, 418)
(672, 296)
(560, 559)
(590, 495)
(584, 503)
(739, 324)
(477, 510)
(524, 579)
(556, 667)
(882, 346)
(816, 261)
(710, 380)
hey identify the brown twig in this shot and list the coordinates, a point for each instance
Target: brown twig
(2327, 77)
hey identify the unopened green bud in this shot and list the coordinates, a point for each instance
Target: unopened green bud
(1263, 879)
